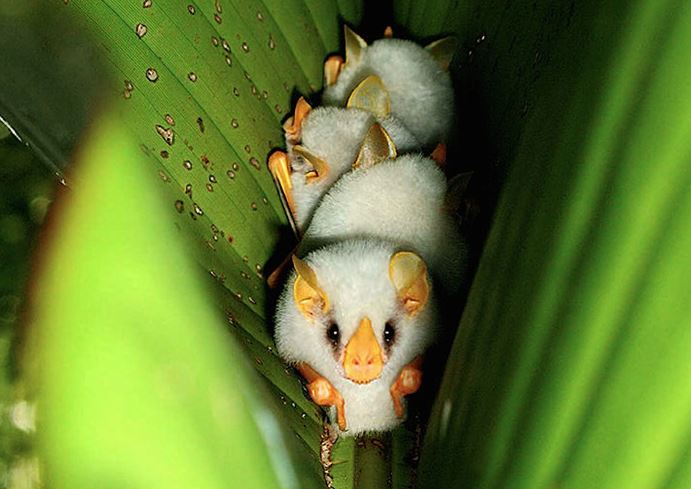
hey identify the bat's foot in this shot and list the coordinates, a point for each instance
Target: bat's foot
(324, 393)
(332, 68)
(408, 382)
(279, 166)
(439, 155)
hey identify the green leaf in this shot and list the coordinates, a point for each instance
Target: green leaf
(571, 365)
(202, 87)
(140, 386)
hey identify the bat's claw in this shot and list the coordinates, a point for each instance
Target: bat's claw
(332, 68)
(292, 127)
(408, 382)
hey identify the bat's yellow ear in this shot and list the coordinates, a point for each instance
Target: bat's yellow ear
(376, 146)
(408, 273)
(354, 45)
(443, 50)
(371, 95)
(321, 167)
(309, 297)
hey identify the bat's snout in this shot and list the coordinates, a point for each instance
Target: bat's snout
(363, 361)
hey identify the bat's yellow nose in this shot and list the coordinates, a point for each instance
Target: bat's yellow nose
(363, 360)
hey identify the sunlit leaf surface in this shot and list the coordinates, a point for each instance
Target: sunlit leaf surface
(140, 385)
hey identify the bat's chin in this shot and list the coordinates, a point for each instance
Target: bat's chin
(363, 381)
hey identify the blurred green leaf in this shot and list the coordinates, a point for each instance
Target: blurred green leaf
(571, 367)
(140, 386)
(25, 194)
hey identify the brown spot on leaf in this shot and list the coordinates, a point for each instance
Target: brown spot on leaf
(166, 133)
(152, 75)
(141, 30)
(179, 206)
(200, 123)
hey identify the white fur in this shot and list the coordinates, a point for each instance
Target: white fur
(354, 275)
(420, 91)
(335, 135)
(367, 216)
(397, 200)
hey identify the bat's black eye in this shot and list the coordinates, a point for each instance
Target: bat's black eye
(333, 334)
(389, 333)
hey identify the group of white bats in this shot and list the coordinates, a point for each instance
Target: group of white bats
(378, 248)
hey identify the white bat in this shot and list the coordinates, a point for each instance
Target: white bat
(359, 310)
(413, 82)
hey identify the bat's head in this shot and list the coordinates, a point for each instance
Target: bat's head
(326, 142)
(415, 81)
(355, 309)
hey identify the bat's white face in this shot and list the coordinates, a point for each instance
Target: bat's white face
(357, 314)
